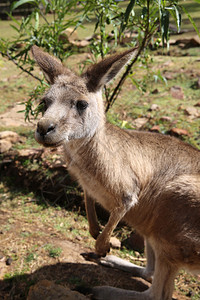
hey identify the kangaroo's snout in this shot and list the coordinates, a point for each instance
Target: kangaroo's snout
(45, 126)
(46, 132)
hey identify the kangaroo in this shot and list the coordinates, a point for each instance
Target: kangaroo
(149, 180)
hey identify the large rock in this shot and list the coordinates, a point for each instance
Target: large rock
(115, 243)
(5, 146)
(10, 136)
(7, 139)
(48, 290)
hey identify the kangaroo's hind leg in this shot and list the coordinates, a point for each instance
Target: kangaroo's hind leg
(161, 289)
(136, 271)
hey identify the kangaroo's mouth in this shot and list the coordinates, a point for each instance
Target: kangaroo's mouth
(47, 141)
(53, 145)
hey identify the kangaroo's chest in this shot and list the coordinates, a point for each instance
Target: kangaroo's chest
(94, 187)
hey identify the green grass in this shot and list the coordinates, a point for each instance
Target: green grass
(53, 251)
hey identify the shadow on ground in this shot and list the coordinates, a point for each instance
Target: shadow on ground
(76, 276)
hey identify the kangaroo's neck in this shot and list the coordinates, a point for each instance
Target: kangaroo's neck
(88, 147)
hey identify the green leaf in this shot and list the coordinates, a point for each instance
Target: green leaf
(127, 14)
(178, 18)
(144, 12)
(164, 25)
(44, 2)
(191, 20)
(21, 2)
(129, 10)
(15, 28)
(135, 82)
(37, 20)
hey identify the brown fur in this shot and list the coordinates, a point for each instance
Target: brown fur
(150, 180)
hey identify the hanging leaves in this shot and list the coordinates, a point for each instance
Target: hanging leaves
(127, 13)
(16, 4)
(165, 26)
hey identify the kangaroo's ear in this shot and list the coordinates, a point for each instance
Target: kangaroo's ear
(101, 73)
(51, 66)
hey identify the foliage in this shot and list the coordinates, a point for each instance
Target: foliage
(49, 19)
(53, 251)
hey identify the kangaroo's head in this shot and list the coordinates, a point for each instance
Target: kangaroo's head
(73, 106)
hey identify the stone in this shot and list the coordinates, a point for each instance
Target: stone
(178, 131)
(10, 136)
(5, 146)
(155, 91)
(80, 44)
(176, 92)
(191, 111)
(128, 37)
(155, 128)
(139, 122)
(68, 35)
(189, 42)
(115, 243)
(166, 118)
(46, 289)
(154, 107)
(30, 153)
(8, 261)
(169, 75)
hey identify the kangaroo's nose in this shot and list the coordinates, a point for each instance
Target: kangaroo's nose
(45, 126)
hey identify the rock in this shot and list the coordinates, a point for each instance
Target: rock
(139, 122)
(80, 44)
(128, 37)
(169, 75)
(7, 139)
(154, 107)
(8, 261)
(48, 290)
(10, 136)
(68, 35)
(191, 111)
(178, 131)
(155, 128)
(166, 118)
(197, 104)
(115, 243)
(155, 91)
(30, 153)
(186, 43)
(5, 146)
(136, 242)
(177, 92)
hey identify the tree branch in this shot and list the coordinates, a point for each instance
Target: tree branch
(20, 67)
(145, 41)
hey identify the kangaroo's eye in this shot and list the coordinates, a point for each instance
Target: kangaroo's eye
(81, 105)
(42, 107)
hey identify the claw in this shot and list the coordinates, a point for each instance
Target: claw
(91, 256)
